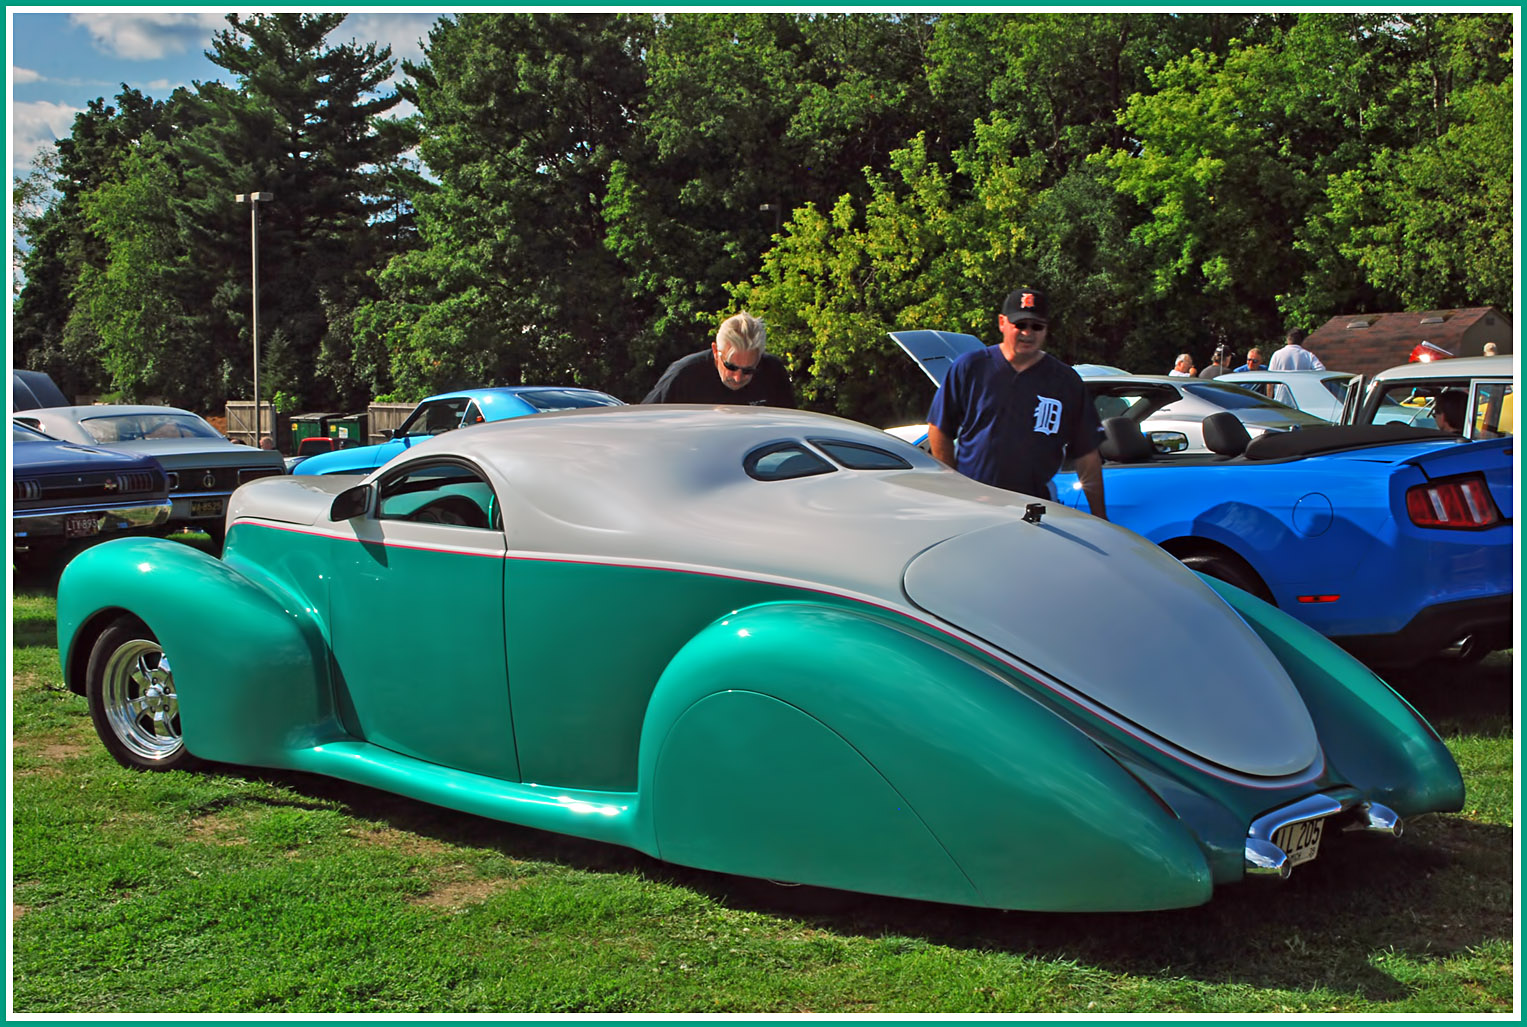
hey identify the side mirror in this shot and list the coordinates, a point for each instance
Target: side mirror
(385, 433)
(1167, 441)
(351, 503)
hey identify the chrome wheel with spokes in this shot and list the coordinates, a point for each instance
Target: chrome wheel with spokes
(131, 688)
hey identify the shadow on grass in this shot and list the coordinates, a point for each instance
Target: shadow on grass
(1439, 891)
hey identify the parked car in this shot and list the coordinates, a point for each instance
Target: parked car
(1170, 410)
(1407, 393)
(203, 467)
(1394, 542)
(764, 642)
(316, 444)
(1315, 392)
(32, 389)
(62, 494)
(449, 411)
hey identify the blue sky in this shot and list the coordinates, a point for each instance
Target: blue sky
(61, 59)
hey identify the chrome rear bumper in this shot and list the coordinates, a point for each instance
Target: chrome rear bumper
(1263, 858)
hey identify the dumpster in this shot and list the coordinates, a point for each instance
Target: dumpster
(348, 429)
(308, 426)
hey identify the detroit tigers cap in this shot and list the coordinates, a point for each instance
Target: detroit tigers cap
(1026, 302)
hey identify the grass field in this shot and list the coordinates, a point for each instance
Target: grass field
(239, 890)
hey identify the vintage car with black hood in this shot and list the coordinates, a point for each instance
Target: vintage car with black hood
(763, 642)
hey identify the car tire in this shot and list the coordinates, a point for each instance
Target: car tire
(131, 691)
(1230, 569)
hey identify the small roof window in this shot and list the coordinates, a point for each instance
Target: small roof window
(781, 460)
(857, 456)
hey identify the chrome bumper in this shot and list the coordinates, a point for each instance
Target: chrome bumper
(36, 525)
(1263, 858)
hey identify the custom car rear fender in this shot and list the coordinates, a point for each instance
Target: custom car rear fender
(1373, 738)
(250, 666)
(824, 745)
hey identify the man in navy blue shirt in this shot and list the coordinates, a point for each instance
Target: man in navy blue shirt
(1017, 411)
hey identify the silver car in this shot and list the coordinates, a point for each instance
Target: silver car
(1171, 411)
(1315, 392)
(202, 466)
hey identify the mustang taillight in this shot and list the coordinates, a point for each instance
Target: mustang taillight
(1454, 503)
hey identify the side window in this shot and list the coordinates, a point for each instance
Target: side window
(1493, 407)
(472, 416)
(439, 493)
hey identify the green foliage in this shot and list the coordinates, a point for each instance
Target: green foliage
(593, 192)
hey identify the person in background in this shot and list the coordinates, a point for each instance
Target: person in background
(1183, 368)
(1017, 411)
(734, 370)
(1449, 411)
(1490, 349)
(1217, 366)
(1293, 356)
(1253, 360)
(266, 442)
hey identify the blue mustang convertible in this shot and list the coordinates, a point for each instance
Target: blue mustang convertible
(1395, 542)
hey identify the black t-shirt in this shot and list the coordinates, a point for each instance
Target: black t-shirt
(694, 379)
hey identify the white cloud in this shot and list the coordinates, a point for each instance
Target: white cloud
(149, 36)
(34, 126)
(25, 75)
(405, 33)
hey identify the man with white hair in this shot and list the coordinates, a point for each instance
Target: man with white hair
(1183, 368)
(734, 370)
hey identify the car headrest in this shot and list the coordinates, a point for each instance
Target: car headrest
(1124, 442)
(1225, 434)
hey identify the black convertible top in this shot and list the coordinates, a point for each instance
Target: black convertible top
(1332, 438)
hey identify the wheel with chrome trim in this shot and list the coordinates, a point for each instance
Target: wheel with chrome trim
(131, 690)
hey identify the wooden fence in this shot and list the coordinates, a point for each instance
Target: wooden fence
(386, 416)
(241, 422)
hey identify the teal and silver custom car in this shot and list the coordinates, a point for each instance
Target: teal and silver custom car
(764, 642)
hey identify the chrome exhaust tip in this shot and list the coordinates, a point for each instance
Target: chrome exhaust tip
(1378, 818)
(1264, 859)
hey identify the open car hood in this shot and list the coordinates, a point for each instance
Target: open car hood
(934, 351)
(1158, 647)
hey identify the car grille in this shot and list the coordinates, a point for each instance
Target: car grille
(91, 485)
(218, 479)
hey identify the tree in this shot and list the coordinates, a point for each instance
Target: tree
(523, 116)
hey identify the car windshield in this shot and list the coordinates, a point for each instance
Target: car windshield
(567, 399)
(111, 428)
(1233, 397)
(435, 417)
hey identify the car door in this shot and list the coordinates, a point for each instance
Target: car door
(1492, 407)
(416, 612)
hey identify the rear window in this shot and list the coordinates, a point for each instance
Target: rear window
(857, 456)
(567, 399)
(779, 461)
(1234, 397)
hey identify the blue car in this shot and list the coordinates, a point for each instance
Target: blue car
(1395, 542)
(64, 494)
(436, 415)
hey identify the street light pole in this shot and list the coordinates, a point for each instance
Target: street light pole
(254, 200)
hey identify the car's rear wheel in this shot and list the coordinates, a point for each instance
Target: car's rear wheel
(131, 690)
(1231, 569)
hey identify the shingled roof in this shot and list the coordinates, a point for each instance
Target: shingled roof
(1369, 343)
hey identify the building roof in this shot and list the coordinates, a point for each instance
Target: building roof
(1367, 343)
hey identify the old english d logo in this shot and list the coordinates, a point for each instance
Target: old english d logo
(1027, 302)
(1047, 416)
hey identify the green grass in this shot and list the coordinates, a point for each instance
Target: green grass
(238, 890)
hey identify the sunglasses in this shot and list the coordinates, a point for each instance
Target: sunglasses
(746, 372)
(1030, 326)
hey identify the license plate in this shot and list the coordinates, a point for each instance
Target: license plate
(206, 508)
(1299, 841)
(80, 525)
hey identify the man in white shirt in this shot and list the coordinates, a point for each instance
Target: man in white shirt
(1183, 368)
(1293, 356)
